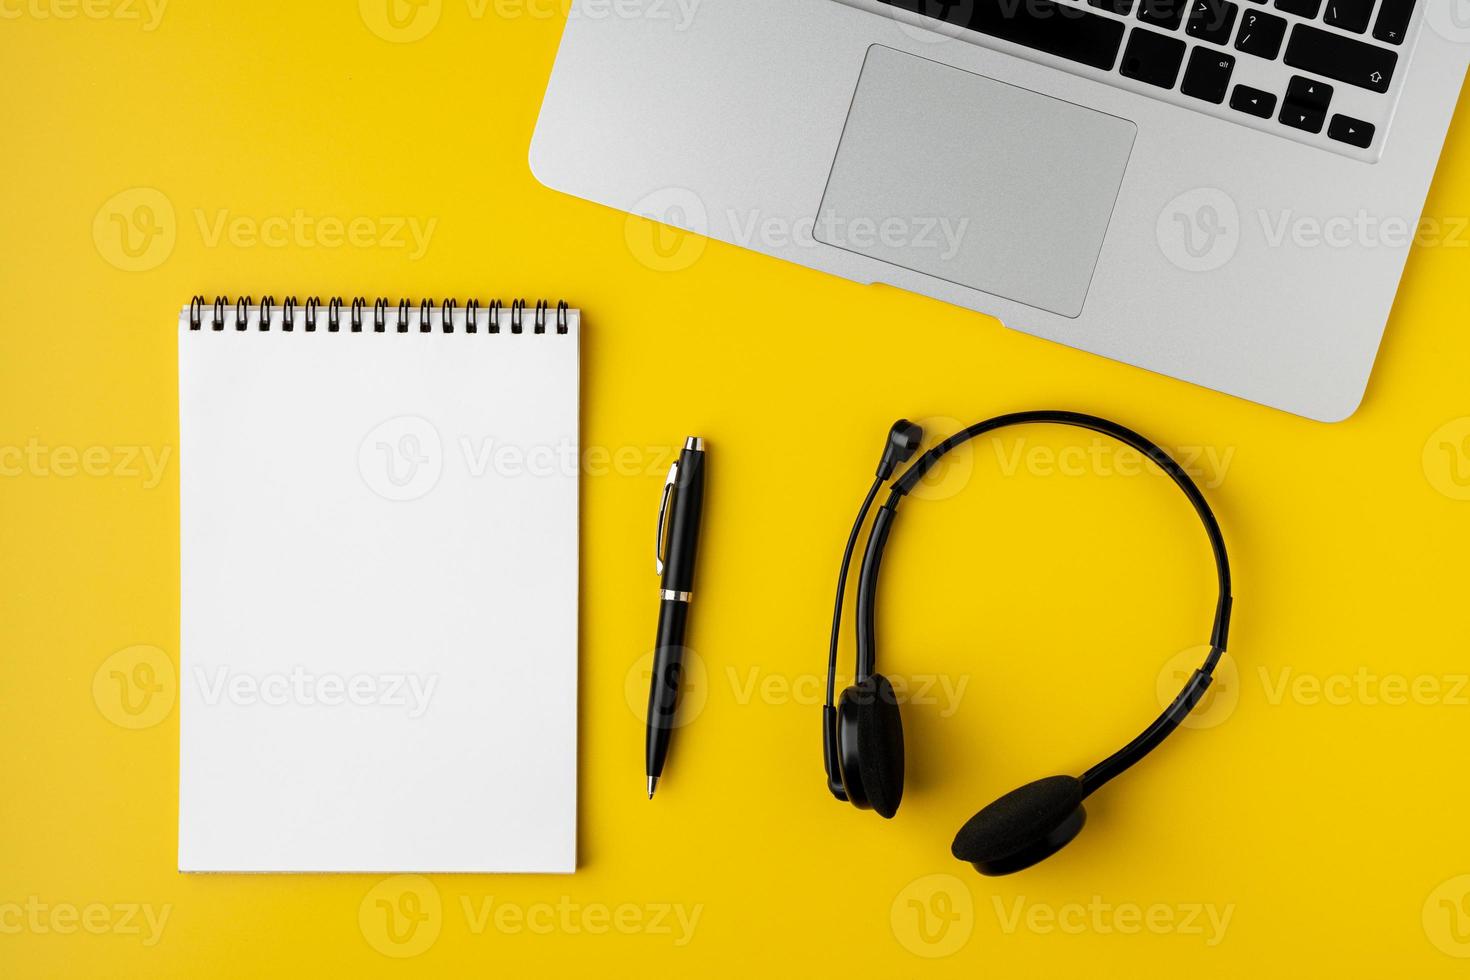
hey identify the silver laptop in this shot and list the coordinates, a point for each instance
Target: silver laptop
(1224, 191)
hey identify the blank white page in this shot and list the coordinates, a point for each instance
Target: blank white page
(379, 536)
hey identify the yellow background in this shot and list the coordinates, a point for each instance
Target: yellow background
(1329, 827)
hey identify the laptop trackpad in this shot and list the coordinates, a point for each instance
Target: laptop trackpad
(974, 181)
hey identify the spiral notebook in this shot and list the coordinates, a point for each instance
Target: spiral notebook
(379, 547)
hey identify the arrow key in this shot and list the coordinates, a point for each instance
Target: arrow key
(1253, 101)
(1354, 132)
(1305, 105)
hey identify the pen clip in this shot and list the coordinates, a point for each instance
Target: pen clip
(663, 513)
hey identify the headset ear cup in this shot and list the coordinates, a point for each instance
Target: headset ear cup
(879, 730)
(1023, 827)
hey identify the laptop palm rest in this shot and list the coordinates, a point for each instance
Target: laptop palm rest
(974, 181)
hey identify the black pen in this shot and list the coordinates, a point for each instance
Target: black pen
(679, 512)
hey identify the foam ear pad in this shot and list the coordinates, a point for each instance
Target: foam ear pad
(879, 743)
(1023, 827)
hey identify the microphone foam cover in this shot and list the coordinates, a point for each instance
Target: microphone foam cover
(1027, 819)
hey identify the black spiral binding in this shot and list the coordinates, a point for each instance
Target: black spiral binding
(494, 320)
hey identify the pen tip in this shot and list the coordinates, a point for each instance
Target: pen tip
(652, 782)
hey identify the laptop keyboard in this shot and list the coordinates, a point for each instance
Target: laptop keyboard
(1321, 70)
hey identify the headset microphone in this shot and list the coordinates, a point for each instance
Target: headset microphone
(862, 732)
(904, 439)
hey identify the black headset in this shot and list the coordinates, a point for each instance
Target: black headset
(862, 735)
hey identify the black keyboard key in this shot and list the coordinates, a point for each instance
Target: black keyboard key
(1355, 132)
(1120, 7)
(1208, 75)
(1302, 8)
(1253, 101)
(1061, 29)
(1153, 58)
(1301, 117)
(1305, 105)
(1261, 35)
(1340, 58)
(1350, 15)
(1212, 20)
(1309, 91)
(1168, 14)
(1393, 20)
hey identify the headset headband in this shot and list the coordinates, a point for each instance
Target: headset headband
(867, 654)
